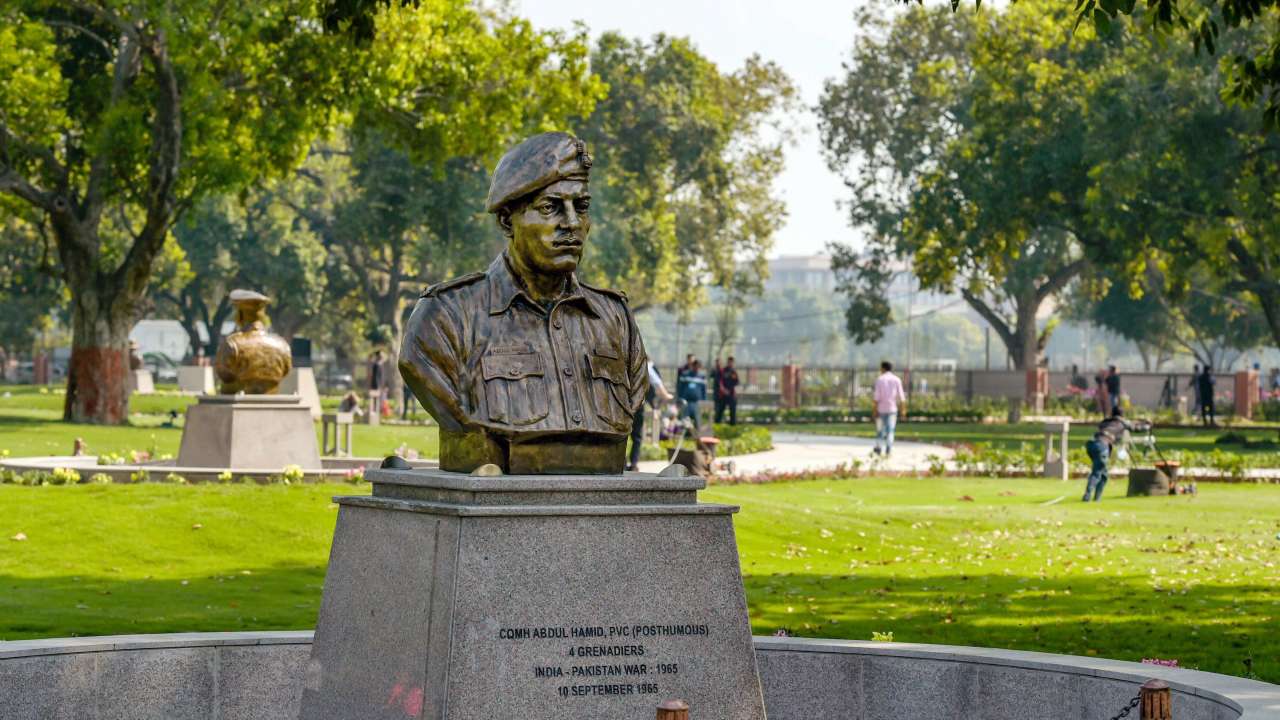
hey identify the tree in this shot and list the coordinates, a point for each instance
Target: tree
(251, 242)
(685, 159)
(118, 115)
(121, 114)
(1196, 315)
(961, 162)
(30, 290)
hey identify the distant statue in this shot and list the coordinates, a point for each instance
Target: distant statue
(251, 360)
(523, 366)
(135, 360)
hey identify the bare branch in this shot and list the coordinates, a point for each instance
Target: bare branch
(106, 46)
(8, 138)
(1059, 278)
(163, 158)
(13, 183)
(104, 15)
(125, 72)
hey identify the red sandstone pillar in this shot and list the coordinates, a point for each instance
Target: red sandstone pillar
(1246, 393)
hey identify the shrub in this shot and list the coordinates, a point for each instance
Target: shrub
(175, 478)
(63, 476)
(100, 479)
(225, 476)
(291, 474)
(140, 476)
(111, 458)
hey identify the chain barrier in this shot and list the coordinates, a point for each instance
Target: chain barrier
(1124, 712)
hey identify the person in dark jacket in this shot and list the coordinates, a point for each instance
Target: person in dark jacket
(1205, 385)
(692, 389)
(729, 386)
(1113, 386)
(1100, 447)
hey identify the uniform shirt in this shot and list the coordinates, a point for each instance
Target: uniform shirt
(481, 355)
(693, 386)
(888, 393)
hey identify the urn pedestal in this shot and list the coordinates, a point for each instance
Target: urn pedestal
(243, 432)
(454, 597)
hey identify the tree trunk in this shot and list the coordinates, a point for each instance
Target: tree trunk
(97, 387)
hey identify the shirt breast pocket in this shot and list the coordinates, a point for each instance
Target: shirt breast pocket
(514, 388)
(610, 387)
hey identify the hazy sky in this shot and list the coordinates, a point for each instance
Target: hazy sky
(807, 38)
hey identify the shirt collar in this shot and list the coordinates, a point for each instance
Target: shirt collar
(504, 289)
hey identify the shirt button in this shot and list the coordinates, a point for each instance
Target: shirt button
(568, 371)
(515, 371)
(577, 418)
(557, 324)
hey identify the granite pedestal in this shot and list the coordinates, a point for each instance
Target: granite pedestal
(455, 597)
(141, 382)
(239, 432)
(197, 380)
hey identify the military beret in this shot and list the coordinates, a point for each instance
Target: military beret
(536, 163)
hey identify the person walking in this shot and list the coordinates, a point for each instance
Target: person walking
(692, 389)
(376, 385)
(1100, 447)
(729, 380)
(889, 397)
(1100, 395)
(717, 390)
(1113, 388)
(1205, 384)
(656, 393)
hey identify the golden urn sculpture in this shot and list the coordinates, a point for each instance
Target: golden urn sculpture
(251, 360)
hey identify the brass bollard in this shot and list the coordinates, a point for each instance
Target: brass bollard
(673, 710)
(1156, 700)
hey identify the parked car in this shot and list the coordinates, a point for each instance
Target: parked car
(162, 367)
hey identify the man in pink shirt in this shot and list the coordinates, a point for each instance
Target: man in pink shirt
(888, 397)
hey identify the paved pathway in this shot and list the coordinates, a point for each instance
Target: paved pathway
(793, 452)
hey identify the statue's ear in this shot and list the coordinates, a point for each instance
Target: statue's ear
(504, 222)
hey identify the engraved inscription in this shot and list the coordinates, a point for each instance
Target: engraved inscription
(607, 660)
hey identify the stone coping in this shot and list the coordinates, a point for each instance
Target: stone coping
(1254, 700)
(252, 399)
(445, 480)
(86, 465)
(464, 510)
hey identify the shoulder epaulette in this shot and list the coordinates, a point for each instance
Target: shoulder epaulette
(450, 284)
(605, 291)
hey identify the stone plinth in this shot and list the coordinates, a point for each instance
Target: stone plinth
(249, 431)
(301, 381)
(196, 379)
(456, 597)
(141, 382)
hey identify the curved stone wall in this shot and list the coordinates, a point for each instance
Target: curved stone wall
(258, 676)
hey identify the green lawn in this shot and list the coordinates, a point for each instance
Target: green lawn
(1191, 578)
(1012, 436)
(30, 424)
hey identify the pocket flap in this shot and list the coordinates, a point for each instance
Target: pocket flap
(607, 365)
(511, 367)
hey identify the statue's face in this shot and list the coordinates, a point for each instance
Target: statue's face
(547, 233)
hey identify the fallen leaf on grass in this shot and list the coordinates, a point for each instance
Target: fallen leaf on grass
(197, 526)
(19, 537)
(966, 498)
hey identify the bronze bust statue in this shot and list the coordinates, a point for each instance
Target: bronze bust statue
(522, 365)
(251, 360)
